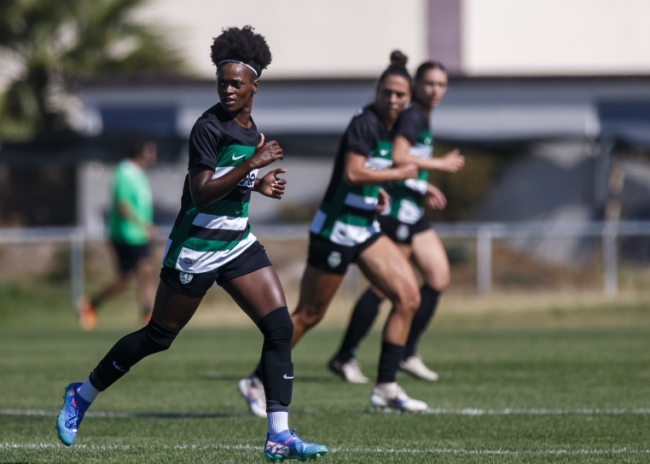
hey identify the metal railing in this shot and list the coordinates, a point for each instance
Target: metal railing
(483, 233)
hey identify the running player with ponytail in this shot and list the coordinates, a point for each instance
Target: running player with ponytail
(345, 230)
(211, 241)
(404, 223)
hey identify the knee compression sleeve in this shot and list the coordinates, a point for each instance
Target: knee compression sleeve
(275, 364)
(128, 351)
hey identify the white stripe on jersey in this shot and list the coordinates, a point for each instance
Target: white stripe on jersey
(349, 235)
(417, 185)
(220, 222)
(248, 181)
(421, 151)
(378, 163)
(196, 262)
(361, 202)
(409, 212)
(218, 172)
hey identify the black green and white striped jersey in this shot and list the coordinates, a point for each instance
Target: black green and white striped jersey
(407, 195)
(205, 239)
(347, 213)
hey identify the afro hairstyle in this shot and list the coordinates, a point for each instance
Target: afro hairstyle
(242, 45)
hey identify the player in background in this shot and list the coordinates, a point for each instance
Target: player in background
(212, 241)
(345, 230)
(404, 223)
(130, 232)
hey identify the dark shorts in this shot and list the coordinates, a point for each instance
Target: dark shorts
(252, 259)
(332, 257)
(401, 232)
(129, 255)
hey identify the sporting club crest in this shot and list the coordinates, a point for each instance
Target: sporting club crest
(185, 277)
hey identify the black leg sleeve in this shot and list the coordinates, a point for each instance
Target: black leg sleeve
(128, 351)
(276, 367)
(389, 360)
(363, 316)
(424, 314)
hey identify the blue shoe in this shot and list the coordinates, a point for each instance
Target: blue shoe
(287, 445)
(72, 412)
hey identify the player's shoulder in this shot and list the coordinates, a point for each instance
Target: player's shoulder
(366, 118)
(211, 121)
(412, 113)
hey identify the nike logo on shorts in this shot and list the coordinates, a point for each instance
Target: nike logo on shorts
(285, 376)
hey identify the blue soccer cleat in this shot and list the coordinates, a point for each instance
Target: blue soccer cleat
(72, 412)
(287, 445)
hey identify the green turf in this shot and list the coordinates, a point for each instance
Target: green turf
(505, 395)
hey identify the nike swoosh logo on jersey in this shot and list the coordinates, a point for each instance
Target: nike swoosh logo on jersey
(238, 157)
(285, 376)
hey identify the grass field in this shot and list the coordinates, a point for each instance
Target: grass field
(558, 385)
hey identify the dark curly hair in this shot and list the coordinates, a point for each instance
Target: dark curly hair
(397, 67)
(242, 45)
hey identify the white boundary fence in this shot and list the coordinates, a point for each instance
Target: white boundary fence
(483, 233)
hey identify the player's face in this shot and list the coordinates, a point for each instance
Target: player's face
(150, 154)
(236, 86)
(392, 95)
(431, 88)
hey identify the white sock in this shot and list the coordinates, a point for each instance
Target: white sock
(277, 422)
(88, 392)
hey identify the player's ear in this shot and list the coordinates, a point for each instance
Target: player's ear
(254, 85)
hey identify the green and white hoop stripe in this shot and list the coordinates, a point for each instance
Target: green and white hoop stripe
(206, 239)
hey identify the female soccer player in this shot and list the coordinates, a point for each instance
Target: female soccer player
(345, 230)
(406, 226)
(212, 241)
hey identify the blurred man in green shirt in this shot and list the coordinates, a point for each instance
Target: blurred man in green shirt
(130, 231)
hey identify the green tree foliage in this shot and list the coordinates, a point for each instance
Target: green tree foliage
(52, 42)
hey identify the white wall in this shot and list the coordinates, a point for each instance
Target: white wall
(556, 36)
(308, 38)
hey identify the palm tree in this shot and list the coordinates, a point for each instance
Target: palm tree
(52, 42)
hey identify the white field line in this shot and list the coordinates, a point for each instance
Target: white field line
(433, 411)
(615, 451)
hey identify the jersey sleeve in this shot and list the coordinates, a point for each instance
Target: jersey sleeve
(408, 125)
(122, 188)
(204, 145)
(360, 137)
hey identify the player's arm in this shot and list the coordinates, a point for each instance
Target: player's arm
(357, 173)
(270, 185)
(451, 162)
(205, 190)
(434, 198)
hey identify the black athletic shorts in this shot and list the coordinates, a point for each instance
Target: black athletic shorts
(332, 257)
(401, 232)
(129, 255)
(251, 260)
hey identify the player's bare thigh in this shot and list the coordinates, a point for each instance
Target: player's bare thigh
(429, 255)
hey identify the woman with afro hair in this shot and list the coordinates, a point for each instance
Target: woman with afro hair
(211, 241)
